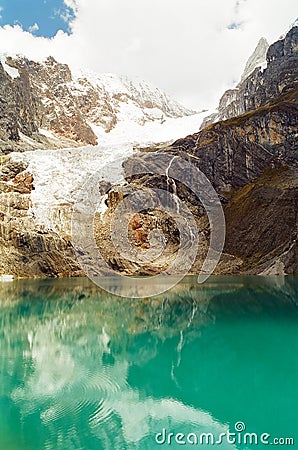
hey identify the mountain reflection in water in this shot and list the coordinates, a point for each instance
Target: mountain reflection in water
(82, 369)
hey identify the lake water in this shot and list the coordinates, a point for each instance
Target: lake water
(81, 369)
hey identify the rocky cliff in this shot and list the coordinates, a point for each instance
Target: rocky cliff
(260, 84)
(261, 220)
(236, 151)
(27, 249)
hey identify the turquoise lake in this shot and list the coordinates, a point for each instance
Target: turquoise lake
(82, 369)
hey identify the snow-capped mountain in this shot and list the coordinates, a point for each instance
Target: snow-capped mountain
(63, 126)
(257, 59)
(46, 105)
(263, 78)
(231, 103)
(139, 100)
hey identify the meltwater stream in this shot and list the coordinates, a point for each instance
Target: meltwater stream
(82, 369)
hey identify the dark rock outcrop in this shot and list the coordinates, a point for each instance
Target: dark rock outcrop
(261, 221)
(236, 151)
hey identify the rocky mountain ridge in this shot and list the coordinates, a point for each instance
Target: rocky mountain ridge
(44, 105)
(263, 83)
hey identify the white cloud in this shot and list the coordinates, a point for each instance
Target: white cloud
(190, 48)
(134, 45)
(73, 4)
(33, 28)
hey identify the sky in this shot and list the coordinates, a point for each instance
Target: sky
(39, 17)
(192, 49)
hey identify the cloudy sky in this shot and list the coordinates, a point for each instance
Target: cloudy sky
(193, 49)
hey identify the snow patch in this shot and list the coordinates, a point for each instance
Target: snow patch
(47, 133)
(11, 71)
(150, 132)
(59, 174)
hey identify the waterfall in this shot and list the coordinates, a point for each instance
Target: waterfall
(171, 181)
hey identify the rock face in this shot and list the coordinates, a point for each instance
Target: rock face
(17, 109)
(139, 228)
(28, 250)
(261, 220)
(262, 85)
(236, 151)
(43, 105)
(252, 162)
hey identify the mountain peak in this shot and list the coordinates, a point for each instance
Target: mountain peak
(257, 58)
(49, 101)
(257, 87)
